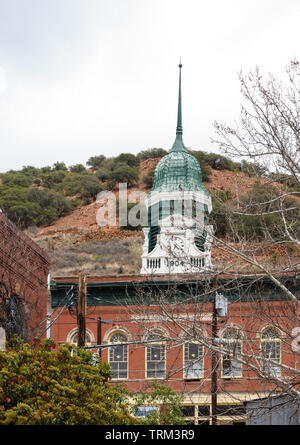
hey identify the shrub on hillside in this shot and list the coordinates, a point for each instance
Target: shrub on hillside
(127, 159)
(77, 168)
(151, 153)
(32, 206)
(85, 185)
(96, 161)
(124, 174)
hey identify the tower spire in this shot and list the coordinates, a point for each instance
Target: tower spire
(178, 144)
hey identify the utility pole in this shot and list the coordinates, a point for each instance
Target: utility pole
(214, 358)
(81, 311)
(99, 334)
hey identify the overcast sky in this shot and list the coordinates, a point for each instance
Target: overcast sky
(80, 78)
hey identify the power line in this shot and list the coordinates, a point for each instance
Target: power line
(62, 310)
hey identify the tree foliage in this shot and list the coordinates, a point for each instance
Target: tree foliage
(168, 402)
(41, 387)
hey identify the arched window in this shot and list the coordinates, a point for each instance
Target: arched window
(155, 357)
(271, 350)
(231, 366)
(193, 360)
(118, 356)
(74, 339)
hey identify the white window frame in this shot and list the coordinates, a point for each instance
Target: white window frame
(275, 342)
(234, 343)
(111, 355)
(191, 370)
(162, 346)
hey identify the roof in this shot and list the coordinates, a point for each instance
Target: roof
(178, 170)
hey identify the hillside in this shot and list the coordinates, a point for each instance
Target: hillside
(75, 243)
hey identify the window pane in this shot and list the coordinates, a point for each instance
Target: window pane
(156, 360)
(230, 410)
(231, 366)
(143, 411)
(188, 411)
(118, 357)
(271, 350)
(203, 410)
(193, 360)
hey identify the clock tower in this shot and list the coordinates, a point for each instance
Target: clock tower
(178, 236)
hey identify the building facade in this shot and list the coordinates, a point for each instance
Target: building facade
(24, 271)
(170, 323)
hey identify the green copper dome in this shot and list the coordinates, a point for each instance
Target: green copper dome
(178, 170)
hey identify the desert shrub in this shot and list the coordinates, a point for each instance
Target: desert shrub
(123, 174)
(23, 214)
(53, 178)
(85, 185)
(127, 159)
(219, 216)
(151, 153)
(49, 199)
(262, 220)
(102, 174)
(253, 169)
(15, 179)
(96, 162)
(32, 206)
(77, 168)
(59, 166)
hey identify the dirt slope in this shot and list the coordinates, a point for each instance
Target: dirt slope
(75, 242)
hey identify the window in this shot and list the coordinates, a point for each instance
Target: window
(155, 357)
(118, 356)
(74, 339)
(271, 350)
(231, 410)
(231, 366)
(143, 411)
(204, 410)
(193, 361)
(188, 410)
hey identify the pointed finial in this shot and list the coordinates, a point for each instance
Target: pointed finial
(178, 144)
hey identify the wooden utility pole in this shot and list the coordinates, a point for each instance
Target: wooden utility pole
(99, 334)
(214, 358)
(81, 311)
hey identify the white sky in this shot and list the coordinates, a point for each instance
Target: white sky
(80, 78)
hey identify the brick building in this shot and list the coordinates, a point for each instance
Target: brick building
(153, 347)
(164, 324)
(24, 270)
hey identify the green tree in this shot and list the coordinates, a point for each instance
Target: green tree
(151, 153)
(15, 179)
(59, 166)
(102, 174)
(96, 161)
(124, 173)
(127, 159)
(85, 185)
(41, 387)
(77, 168)
(167, 401)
